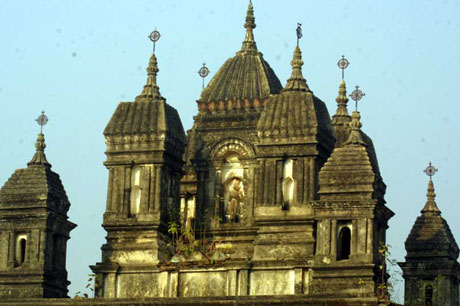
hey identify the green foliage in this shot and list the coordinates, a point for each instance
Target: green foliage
(388, 278)
(92, 285)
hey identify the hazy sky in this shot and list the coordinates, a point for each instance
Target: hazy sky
(78, 59)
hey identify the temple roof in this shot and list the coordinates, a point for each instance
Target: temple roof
(430, 235)
(246, 75)
(148, 114)
(295, 112)
(349, 173)
(36, 185)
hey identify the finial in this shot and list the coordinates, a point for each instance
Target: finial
(430, 206)
(249, 44)
(42, 120)
(151, 90)
(203, 72)
(356, 96)
(430, 170)
(154, 37)
(343, 64)
(39, 157)
(299, 32)
(342, 100)
(355, 134)
(296, 82)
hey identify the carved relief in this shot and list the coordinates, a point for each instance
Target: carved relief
(234, 199)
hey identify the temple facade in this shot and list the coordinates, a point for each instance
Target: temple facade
(265, 195)
(266, 199)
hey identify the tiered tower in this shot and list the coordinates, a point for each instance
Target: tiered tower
(34, 231)
(431, 271)
(145, 143)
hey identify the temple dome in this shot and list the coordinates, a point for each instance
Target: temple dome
(246, 75)
(350, 173)
(431, 235)
(296, 114)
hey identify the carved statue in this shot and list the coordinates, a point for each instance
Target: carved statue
(235, 200)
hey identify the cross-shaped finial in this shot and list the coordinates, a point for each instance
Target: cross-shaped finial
(357, 95)
(343, 64)
(154, 37)
(430, 170)
(203, 72)
(299, 32)
(42, 120)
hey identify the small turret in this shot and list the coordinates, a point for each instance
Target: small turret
(34, 230)
(431, 271)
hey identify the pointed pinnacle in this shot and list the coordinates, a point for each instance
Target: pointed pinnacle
(249, 43)
(39, 158)
(430, 206)
(296, 82)
(151, 90)
(355, 137)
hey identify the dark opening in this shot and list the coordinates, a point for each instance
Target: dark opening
(343, 244)
(429, 295)
(315, 225)
(22, 251)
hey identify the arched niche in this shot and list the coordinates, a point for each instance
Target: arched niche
(344, 242)
(231, 146)
(135, 198)
(229, 163)
(21, 248)
(288, 183)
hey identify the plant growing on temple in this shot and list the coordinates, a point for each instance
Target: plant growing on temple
(92, 285)
(387, 283)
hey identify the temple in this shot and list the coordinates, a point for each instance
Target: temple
(266, 199)
(259, 198)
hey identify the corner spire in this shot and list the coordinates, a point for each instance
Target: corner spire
(39, 158)
(249, 43)
(355, 137)
(151, 90)
(430, 206)
(296, 82)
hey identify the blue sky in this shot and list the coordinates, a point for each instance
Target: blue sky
(78, 59)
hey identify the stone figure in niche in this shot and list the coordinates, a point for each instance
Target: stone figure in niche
(235, 199)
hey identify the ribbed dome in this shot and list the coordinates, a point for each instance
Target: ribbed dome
(36, 185)
(244, 76)
(349, 173)
(149, 114)
(295, 113)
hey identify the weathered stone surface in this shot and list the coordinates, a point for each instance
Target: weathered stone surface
(431, 270)
(34, 231)
(252, 222)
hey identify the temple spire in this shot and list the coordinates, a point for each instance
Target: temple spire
(355, 137)
(39, 158)
(430, 206)
(151, 90)
(296, 82)
(249, 43)
(342, 101)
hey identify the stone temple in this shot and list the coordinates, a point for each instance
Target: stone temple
(267, 199)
